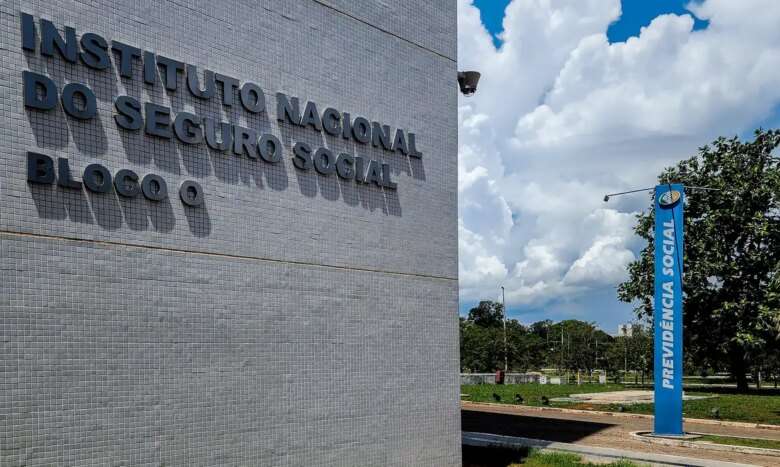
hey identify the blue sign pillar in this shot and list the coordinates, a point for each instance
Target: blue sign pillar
(667, 313)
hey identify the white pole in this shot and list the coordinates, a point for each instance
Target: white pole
(503, 308)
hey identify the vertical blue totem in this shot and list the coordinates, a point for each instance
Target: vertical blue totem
(667, 313)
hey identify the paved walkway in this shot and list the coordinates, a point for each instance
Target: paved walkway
(622, 397)
(601, 430)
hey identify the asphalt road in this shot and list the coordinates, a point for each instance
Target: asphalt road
(601, 430)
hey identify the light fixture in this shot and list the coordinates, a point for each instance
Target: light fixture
(467, 80)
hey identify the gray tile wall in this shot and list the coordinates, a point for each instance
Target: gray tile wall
(428, 24)
(294, 319)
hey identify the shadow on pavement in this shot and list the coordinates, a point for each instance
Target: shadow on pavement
(492, 457)
(550, 429)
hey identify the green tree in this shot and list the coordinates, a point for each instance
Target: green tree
(532, 353)
(482, 341)
(732, 250)
(632, 352)
(526, 349)
(481, 348)
(570, 344)
(770, 318)
(641, 350)
(482, 338)
(487, 314)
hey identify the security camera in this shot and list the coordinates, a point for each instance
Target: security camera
(467, 80)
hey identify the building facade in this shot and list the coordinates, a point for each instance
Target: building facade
(228, 233)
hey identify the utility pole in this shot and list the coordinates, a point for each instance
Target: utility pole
(597, 353)
(560, 368)
(547, 335)
(625, 357)
(506, 351)
(568, 353)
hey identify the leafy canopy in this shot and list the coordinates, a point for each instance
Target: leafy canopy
(731, 257)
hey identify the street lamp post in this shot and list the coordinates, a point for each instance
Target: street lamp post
(503, 309)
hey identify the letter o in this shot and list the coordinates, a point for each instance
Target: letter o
(97, 178)
(270, 148)
(668, 261)
(69, 93)
(191, 193)
(126, 183)
(154, 187)
(254, 104)
(324, 161)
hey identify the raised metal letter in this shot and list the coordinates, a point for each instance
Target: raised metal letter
(154, 187)
(126, 183)
(30, 83)
(97, 178)
(40, 168)
(191, 193)
(69, 93)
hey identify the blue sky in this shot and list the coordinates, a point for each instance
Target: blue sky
(636, 14)
(589, 117)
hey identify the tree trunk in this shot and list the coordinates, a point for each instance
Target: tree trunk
(742, 383)
(738, 370)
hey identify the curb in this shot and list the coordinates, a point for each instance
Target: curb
(705, 444)
(703, 421)
(592, 452)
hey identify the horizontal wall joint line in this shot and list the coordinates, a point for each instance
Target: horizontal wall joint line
(326, 5)
(112, 243)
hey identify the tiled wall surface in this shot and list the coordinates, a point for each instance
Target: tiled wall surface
(294, 318)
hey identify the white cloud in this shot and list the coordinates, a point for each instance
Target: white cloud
(476, 266)
(562, 117)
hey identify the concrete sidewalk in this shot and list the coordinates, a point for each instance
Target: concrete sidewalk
(603, 431)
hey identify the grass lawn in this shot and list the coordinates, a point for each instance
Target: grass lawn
(751, 443)
(559, 459)
(755, 407)
(531, 393)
